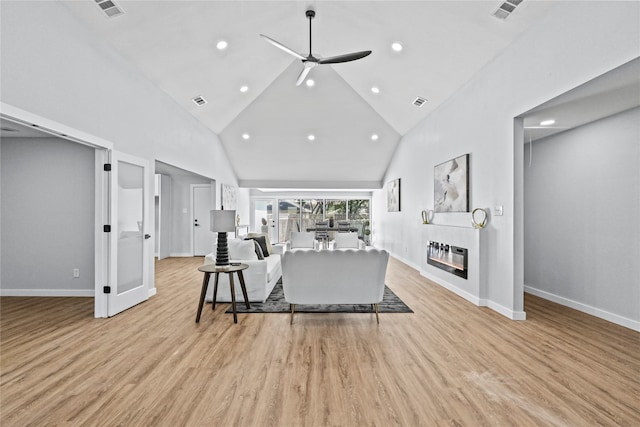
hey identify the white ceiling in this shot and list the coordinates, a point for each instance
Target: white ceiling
(173, 44)
(611, 93)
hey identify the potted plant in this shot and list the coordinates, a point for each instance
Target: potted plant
(366, 231)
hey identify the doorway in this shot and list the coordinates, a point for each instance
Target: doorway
(201, 206)
(263, 218)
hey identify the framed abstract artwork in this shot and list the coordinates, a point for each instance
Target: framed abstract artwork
(229, 197)
(393, 196)
(451, 185)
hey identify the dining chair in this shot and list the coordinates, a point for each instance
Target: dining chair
(344, 226)
(322, 231)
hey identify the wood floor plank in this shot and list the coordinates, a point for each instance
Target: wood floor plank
(447, 364)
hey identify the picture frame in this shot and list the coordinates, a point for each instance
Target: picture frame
(451, 185)
(393, 195)
(229, 196)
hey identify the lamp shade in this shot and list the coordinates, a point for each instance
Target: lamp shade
(223, 221)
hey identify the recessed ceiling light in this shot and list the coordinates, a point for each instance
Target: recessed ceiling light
(310, 83)
(375, 89)
(221, 45)
(374, 137)
(243, 89)
(311, 137)
(547, 122)
(246, 136)
(397, 47)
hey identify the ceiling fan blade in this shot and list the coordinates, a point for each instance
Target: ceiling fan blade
(344, 58)
(283, 47)
(303, 73)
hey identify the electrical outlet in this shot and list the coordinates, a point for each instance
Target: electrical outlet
(76, 272)
(499, 210)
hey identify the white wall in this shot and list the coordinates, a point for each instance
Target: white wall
(53, 68)
(580, 41)
(48, 198)
(582, 198)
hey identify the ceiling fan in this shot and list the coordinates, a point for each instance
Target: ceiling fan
(311, 61)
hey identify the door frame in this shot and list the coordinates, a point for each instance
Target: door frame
(101, 239)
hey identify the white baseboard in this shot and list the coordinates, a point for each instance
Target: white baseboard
(594, 311)
(480, 302)
(507, 312)
(180, 254)
(152, 292)
(47, 293)
(405, 261)
(456, 290)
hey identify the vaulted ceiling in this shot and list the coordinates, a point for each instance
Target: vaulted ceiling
(174, 45)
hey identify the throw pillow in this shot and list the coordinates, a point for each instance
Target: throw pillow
(258, 250)
(266, 238)
(261, 240)
(241, 249)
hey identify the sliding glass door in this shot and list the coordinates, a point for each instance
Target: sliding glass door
(288, 218)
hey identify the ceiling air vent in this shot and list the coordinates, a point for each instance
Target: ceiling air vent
(419, 101)
(109, 8)
(506, 8)
(199, 100)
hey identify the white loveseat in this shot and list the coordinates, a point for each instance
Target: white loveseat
(260, 278)
(349, 276)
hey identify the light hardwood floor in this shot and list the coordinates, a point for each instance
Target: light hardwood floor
(449, 363)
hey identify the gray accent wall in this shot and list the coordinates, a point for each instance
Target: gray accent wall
(581, 224)
(47, 221)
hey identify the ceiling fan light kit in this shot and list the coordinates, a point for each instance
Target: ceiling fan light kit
(311, 61)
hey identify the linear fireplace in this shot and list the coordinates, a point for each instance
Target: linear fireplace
(448, 258)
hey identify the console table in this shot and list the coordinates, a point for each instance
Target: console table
(215, 269)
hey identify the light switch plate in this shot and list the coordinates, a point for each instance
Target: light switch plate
(498, 210)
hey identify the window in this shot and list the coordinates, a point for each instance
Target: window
(299, 214)
(312, 211)
(336, 209)
(358, 213)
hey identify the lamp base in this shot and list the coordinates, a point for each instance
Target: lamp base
(222, 254)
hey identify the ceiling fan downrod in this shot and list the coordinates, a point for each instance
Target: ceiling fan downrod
(310, 14)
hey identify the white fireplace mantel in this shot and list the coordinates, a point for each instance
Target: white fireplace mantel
(472, 288)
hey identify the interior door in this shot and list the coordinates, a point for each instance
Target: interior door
(130, 188)
(202, 235)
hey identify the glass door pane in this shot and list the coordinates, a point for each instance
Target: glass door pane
(130, 226)
(263, 220)
(358, 213)
(336, 209)
(288, 218)
(312, 211)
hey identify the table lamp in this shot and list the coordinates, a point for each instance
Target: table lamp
(221, 222)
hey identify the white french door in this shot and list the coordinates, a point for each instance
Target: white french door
(130, 188)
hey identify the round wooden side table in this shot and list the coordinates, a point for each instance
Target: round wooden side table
(216, 270)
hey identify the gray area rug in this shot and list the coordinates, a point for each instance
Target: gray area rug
(277, 304)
